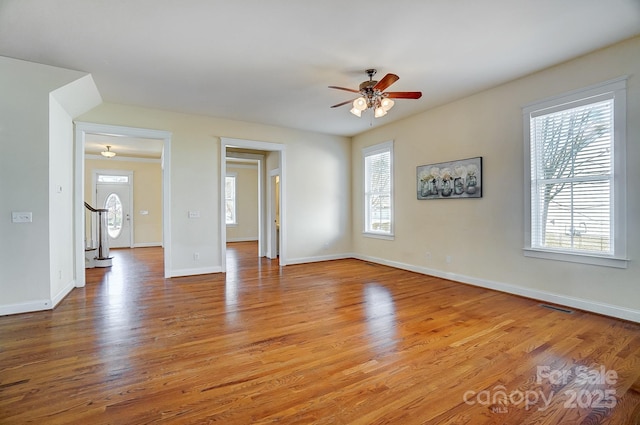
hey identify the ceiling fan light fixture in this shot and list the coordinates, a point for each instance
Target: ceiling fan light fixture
(360, 104)
(108, 153)
(387, 104)
(373, 95)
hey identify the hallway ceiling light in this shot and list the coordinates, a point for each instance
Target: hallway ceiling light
(108, 152)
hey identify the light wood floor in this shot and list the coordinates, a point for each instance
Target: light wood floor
(340, 342)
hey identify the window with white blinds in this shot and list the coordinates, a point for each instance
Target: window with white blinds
(576, 153)
(378, 190)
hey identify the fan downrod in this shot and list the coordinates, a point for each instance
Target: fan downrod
(368, 85)
(371, 72)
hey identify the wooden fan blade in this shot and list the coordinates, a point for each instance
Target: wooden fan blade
(404, 94)
(343, 103)
(386, 82)
(344, 88)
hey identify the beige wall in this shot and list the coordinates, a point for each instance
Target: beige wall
(246, 228)
(485, 236)
(147, 195)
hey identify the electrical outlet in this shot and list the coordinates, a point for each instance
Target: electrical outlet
(196, 256)
(427, 256)
(449, 259)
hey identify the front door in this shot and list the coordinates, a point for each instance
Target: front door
(115, 197)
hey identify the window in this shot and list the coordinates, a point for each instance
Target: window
(103, 178)
(378, 190)
(576, 184)
(230, 198)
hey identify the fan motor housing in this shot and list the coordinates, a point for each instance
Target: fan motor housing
(367, 85)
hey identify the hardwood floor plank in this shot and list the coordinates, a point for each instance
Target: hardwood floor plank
(337, 342)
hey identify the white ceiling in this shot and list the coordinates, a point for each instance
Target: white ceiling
(271, 61)
(123, 146)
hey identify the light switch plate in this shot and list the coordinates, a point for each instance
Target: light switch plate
(21, 217)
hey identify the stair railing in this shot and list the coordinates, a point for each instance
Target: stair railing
(103, 238)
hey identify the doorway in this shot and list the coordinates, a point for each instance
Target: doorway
(274, 159)
(82, 130)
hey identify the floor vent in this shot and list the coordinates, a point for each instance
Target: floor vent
(560, 309)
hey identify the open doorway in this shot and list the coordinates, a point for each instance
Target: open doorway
(242, 195)
(130, 139)
(269, 157)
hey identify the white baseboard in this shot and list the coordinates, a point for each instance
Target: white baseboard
(194, 271)
(28, 307)
(249, 239)
(63, 293)
(567, 301)
(318, 258)
(37, 305)
(146, 244)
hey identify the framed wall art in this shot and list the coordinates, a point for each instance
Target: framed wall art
(450, 180)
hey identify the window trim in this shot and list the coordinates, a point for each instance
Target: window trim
(616, 88)
(373, 150)
(235, 200)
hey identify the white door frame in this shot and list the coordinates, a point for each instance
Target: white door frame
(272, 244)
(94, 189)
(84, 128)
(262, 146)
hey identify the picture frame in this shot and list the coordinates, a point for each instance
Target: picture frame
(450, 180)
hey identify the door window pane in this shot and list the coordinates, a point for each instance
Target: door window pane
(114, 216)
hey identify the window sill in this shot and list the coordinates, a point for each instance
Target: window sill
(595, 260)
(384, 236)
(232, 224)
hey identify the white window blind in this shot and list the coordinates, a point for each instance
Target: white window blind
(378, 182)
(576, 176)
(230, 199)
(572, 165)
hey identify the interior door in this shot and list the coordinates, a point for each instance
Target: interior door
(116, 198)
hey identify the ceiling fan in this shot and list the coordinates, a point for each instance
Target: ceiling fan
(372, 95)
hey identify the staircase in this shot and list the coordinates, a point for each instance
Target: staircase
(96, 255)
